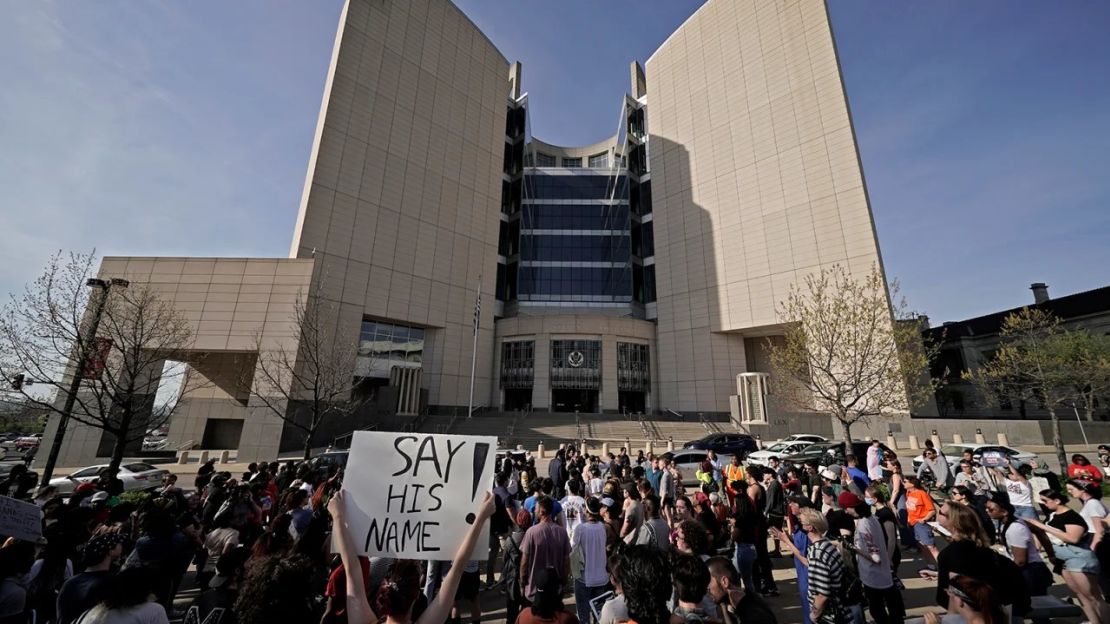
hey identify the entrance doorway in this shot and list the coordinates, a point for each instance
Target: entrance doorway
(632, 401)
(222, 433)
(518, 399)
(573, 400)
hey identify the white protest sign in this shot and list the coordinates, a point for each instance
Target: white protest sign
(20, 520)
(413, 495)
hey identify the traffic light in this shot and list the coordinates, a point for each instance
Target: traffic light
(17, 382)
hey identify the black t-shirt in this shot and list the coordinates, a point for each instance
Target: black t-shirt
(213, 607)
(81, 593)
(1061, 520)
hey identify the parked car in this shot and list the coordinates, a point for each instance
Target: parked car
(155, 443)
(955, 452)
(826, 453)
(688, 462)
(725, 444)
(778, 449)
(135, 476)
(25, 442)
(336, 457)
(6, 470)
(805, 437)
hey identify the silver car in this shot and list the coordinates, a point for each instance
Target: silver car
(135, 476)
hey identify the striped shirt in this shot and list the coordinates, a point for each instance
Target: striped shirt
(826, 570)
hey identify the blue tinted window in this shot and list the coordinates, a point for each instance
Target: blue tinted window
(545, 186)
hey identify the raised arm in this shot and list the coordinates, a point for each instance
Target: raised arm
(440, 607)
(358, 606)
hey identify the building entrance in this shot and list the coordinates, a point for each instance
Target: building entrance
(573, 400)
(518, 399)
(632, 402)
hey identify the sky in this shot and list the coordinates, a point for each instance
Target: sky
(138, 127)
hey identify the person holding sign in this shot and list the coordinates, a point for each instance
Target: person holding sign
(358, 606)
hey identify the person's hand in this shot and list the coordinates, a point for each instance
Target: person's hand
(932, 618)
(336, 505)
(485, 508)
(928, 575)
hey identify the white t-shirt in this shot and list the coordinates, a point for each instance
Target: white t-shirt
(146, 613)
(1021, 493)
(596, 485)
(590, 537)
(574, 510)
(1092, 509)
(1020, 536)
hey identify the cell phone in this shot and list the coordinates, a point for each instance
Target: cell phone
(597, 603)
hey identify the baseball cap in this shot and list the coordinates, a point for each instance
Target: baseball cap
(228, 564)
(848, 499)
(714, 498)
(608, 502)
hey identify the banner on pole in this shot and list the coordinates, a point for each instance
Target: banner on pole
(413, 495)
(20, 520)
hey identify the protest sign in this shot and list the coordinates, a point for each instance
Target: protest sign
(413, 495)
(20, 520)
(994, 459)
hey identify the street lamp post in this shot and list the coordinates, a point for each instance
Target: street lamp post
(105, 287)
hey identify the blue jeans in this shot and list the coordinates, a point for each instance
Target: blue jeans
(1025, 512)
(582, 597)
(744, 558)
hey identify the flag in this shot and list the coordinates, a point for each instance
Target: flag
(478, 309)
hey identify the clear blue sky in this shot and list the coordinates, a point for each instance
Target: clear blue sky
(183, 128)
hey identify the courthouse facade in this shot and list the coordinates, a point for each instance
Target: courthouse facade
(637, 274)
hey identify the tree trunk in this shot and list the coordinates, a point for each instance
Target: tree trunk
(1058, 441)
(307, 446)
(847, 433)
(121, 440)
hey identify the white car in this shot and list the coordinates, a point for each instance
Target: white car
(688, 462)
(135, 476)
(812, 438)
(955, 452)
(778, 449)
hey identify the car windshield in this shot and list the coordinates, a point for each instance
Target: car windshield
(780, 446)
(139, 467)
(953, 450)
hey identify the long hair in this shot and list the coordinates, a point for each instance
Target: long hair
(979, 597)
(645, 578)
(399, 589)
(274, 591)
(964, 524)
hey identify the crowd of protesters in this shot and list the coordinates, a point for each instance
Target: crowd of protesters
(631, 538)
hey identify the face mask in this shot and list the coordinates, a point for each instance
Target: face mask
(869, 501)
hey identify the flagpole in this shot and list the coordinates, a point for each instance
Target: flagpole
(474, 348)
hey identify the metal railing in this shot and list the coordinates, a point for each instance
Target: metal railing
(677, 415)
(338, 442)
(188, 445)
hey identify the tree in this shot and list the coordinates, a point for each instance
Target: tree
(1089, 357)
(847, 352)
(1037, 360)
(310, 383)
(48, 330)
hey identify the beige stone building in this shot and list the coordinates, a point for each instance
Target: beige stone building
(637, 274)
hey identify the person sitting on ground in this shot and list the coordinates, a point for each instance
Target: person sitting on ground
(547, 605)
(973, 600)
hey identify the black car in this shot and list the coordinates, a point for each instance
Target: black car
(826, 453)
(726, 444)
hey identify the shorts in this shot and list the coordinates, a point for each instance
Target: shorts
(924, 534)
(468, 586)
(1077, 559)
(1025, 511)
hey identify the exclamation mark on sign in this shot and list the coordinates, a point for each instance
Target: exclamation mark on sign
(480, 452)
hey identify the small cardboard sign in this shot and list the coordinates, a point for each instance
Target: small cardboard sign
(20, 520)
(413, 495)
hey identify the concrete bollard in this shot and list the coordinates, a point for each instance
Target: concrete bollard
(979, 437)
(648, 447)
(628, 444)
(957, 438)
(890, 442)
(913, 442)
(1003, 439)
(539, 450)
(670, 446)
(225, 456)
(605, 449)
(936, 440)
(183, 457)
(204, 457)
